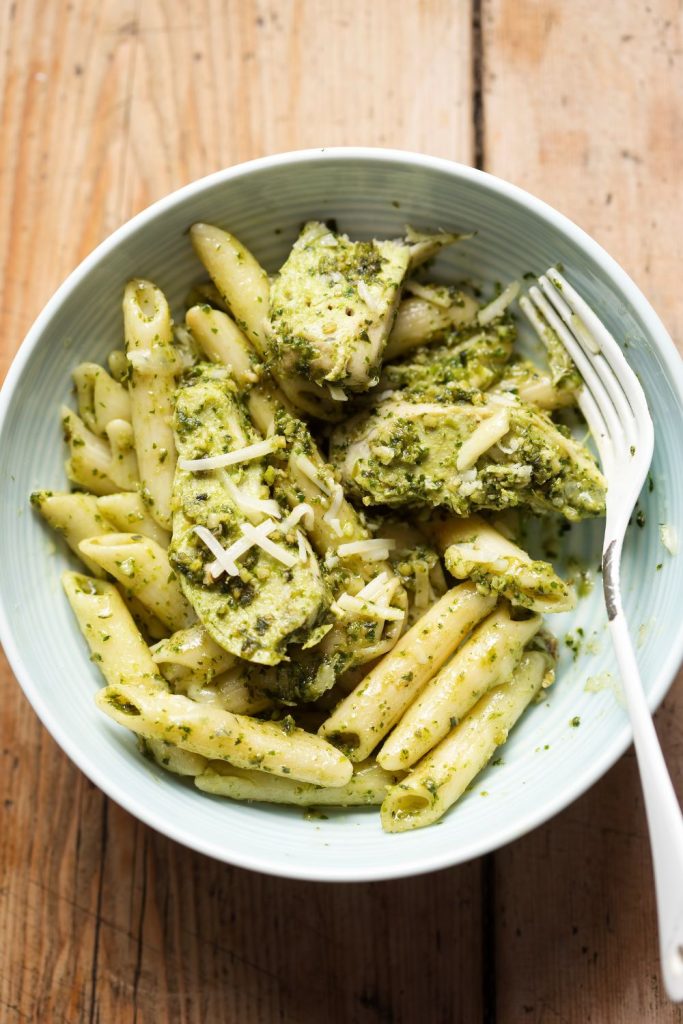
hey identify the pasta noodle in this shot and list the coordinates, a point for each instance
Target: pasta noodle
(114, 640)
(487, 658)
(153, 366)
(370, 711)
(367, 785)
(142, 567)
(474, 549)
(220, 735)
(442, 777)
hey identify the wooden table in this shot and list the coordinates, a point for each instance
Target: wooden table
(108, 105)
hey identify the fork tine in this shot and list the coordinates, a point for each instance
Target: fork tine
(580, 331)
(584, 364)
(587, 403)
(608, 345)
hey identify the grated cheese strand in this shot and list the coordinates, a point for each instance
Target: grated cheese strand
(301, 511)
(223, 562)
(260, 538)
(337, 394)
(352, 603)
(241, 546)
(246, 454)
(373, 550)
(497, 306)
(247, 503)
(335, 504)
(483, 437)
(303, 463)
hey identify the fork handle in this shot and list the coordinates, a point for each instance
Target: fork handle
(664, 817)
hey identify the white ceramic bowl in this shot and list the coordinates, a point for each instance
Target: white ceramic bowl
(547, 763)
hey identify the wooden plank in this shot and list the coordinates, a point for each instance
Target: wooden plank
(583, 107)
(219, 83)
(107, 107)
(63, 107)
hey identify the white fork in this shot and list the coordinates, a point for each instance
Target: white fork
(616, 411)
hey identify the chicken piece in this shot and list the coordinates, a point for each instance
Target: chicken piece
(332, 306)
(273, 597)
(496, 454)
(441, 371)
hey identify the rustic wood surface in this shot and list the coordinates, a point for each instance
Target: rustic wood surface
(109, 104)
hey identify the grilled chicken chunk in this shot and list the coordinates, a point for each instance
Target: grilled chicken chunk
(273, 597)
(494, 453)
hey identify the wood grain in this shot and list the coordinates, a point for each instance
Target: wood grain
(583, 106)
(107, 105)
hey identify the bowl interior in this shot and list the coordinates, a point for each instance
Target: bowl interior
(547, 761)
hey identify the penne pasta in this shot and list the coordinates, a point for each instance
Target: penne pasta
(172, 758)
(241, 280)
(191, 655)
(372, 709)
(123, 467)
(101, 398)
(115, 643)
(76, 516)
(474, 549)
(89, 459)
(367, 785)
(153, 366)
(275, 563)
(437, 781)
(117, 361)
(420, 320)
(487, 658)
(276, 747)
(142, 567)
(127, 513)
(222, 341)
(149, 625)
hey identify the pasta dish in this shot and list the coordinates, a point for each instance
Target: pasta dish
(297, 513)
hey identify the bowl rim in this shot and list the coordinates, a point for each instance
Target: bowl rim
(581, 780)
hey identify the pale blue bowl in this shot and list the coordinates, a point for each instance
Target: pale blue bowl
(547, 763)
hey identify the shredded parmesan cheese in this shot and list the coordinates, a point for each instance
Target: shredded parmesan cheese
(498, 306)
(332, 514)
(246, 454)
(338, 394)
(486, 434)
(261, 540)
(304, 464)
(375, 550)
(223, 562)
(374, 587)
(226, 558)
(249, 505)
(354, 604)
(300, 511)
